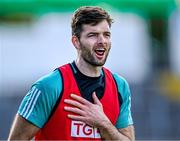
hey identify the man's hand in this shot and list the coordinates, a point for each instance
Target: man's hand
(85, 111)
(93, 115)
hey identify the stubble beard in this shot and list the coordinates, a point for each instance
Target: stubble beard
(91, 59)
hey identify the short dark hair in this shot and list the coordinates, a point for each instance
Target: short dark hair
(88, 15)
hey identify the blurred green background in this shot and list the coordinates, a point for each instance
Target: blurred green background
(35, 39)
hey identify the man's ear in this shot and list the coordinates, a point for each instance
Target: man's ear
(75, 41)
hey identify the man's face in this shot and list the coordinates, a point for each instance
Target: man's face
(95, 43)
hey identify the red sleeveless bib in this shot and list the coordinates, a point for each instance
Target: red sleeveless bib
(60, 127)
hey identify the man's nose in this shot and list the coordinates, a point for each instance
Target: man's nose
(101, 39)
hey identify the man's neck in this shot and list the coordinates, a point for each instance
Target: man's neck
(88, 69)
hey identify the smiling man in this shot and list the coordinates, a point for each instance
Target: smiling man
(81, 100)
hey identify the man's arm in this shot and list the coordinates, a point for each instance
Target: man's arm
(128, 132)
(110, 132)
(93, 115)
(22, 129)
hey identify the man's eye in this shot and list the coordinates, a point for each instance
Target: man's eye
(91, 35)
(108, 35)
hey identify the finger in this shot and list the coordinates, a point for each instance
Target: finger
(74, 103)
(96, 100)
(74, 110)
(80, 99)
(75, 117)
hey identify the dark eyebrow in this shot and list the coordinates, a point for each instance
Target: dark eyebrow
(93, 32)
(107, 32)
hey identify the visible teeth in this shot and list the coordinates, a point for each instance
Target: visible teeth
(100, 49)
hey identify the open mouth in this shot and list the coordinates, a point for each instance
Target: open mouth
(100, 52)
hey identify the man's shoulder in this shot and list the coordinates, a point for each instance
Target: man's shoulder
(122, 84)
(51, 80)
(42, 96)
(120, 79)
